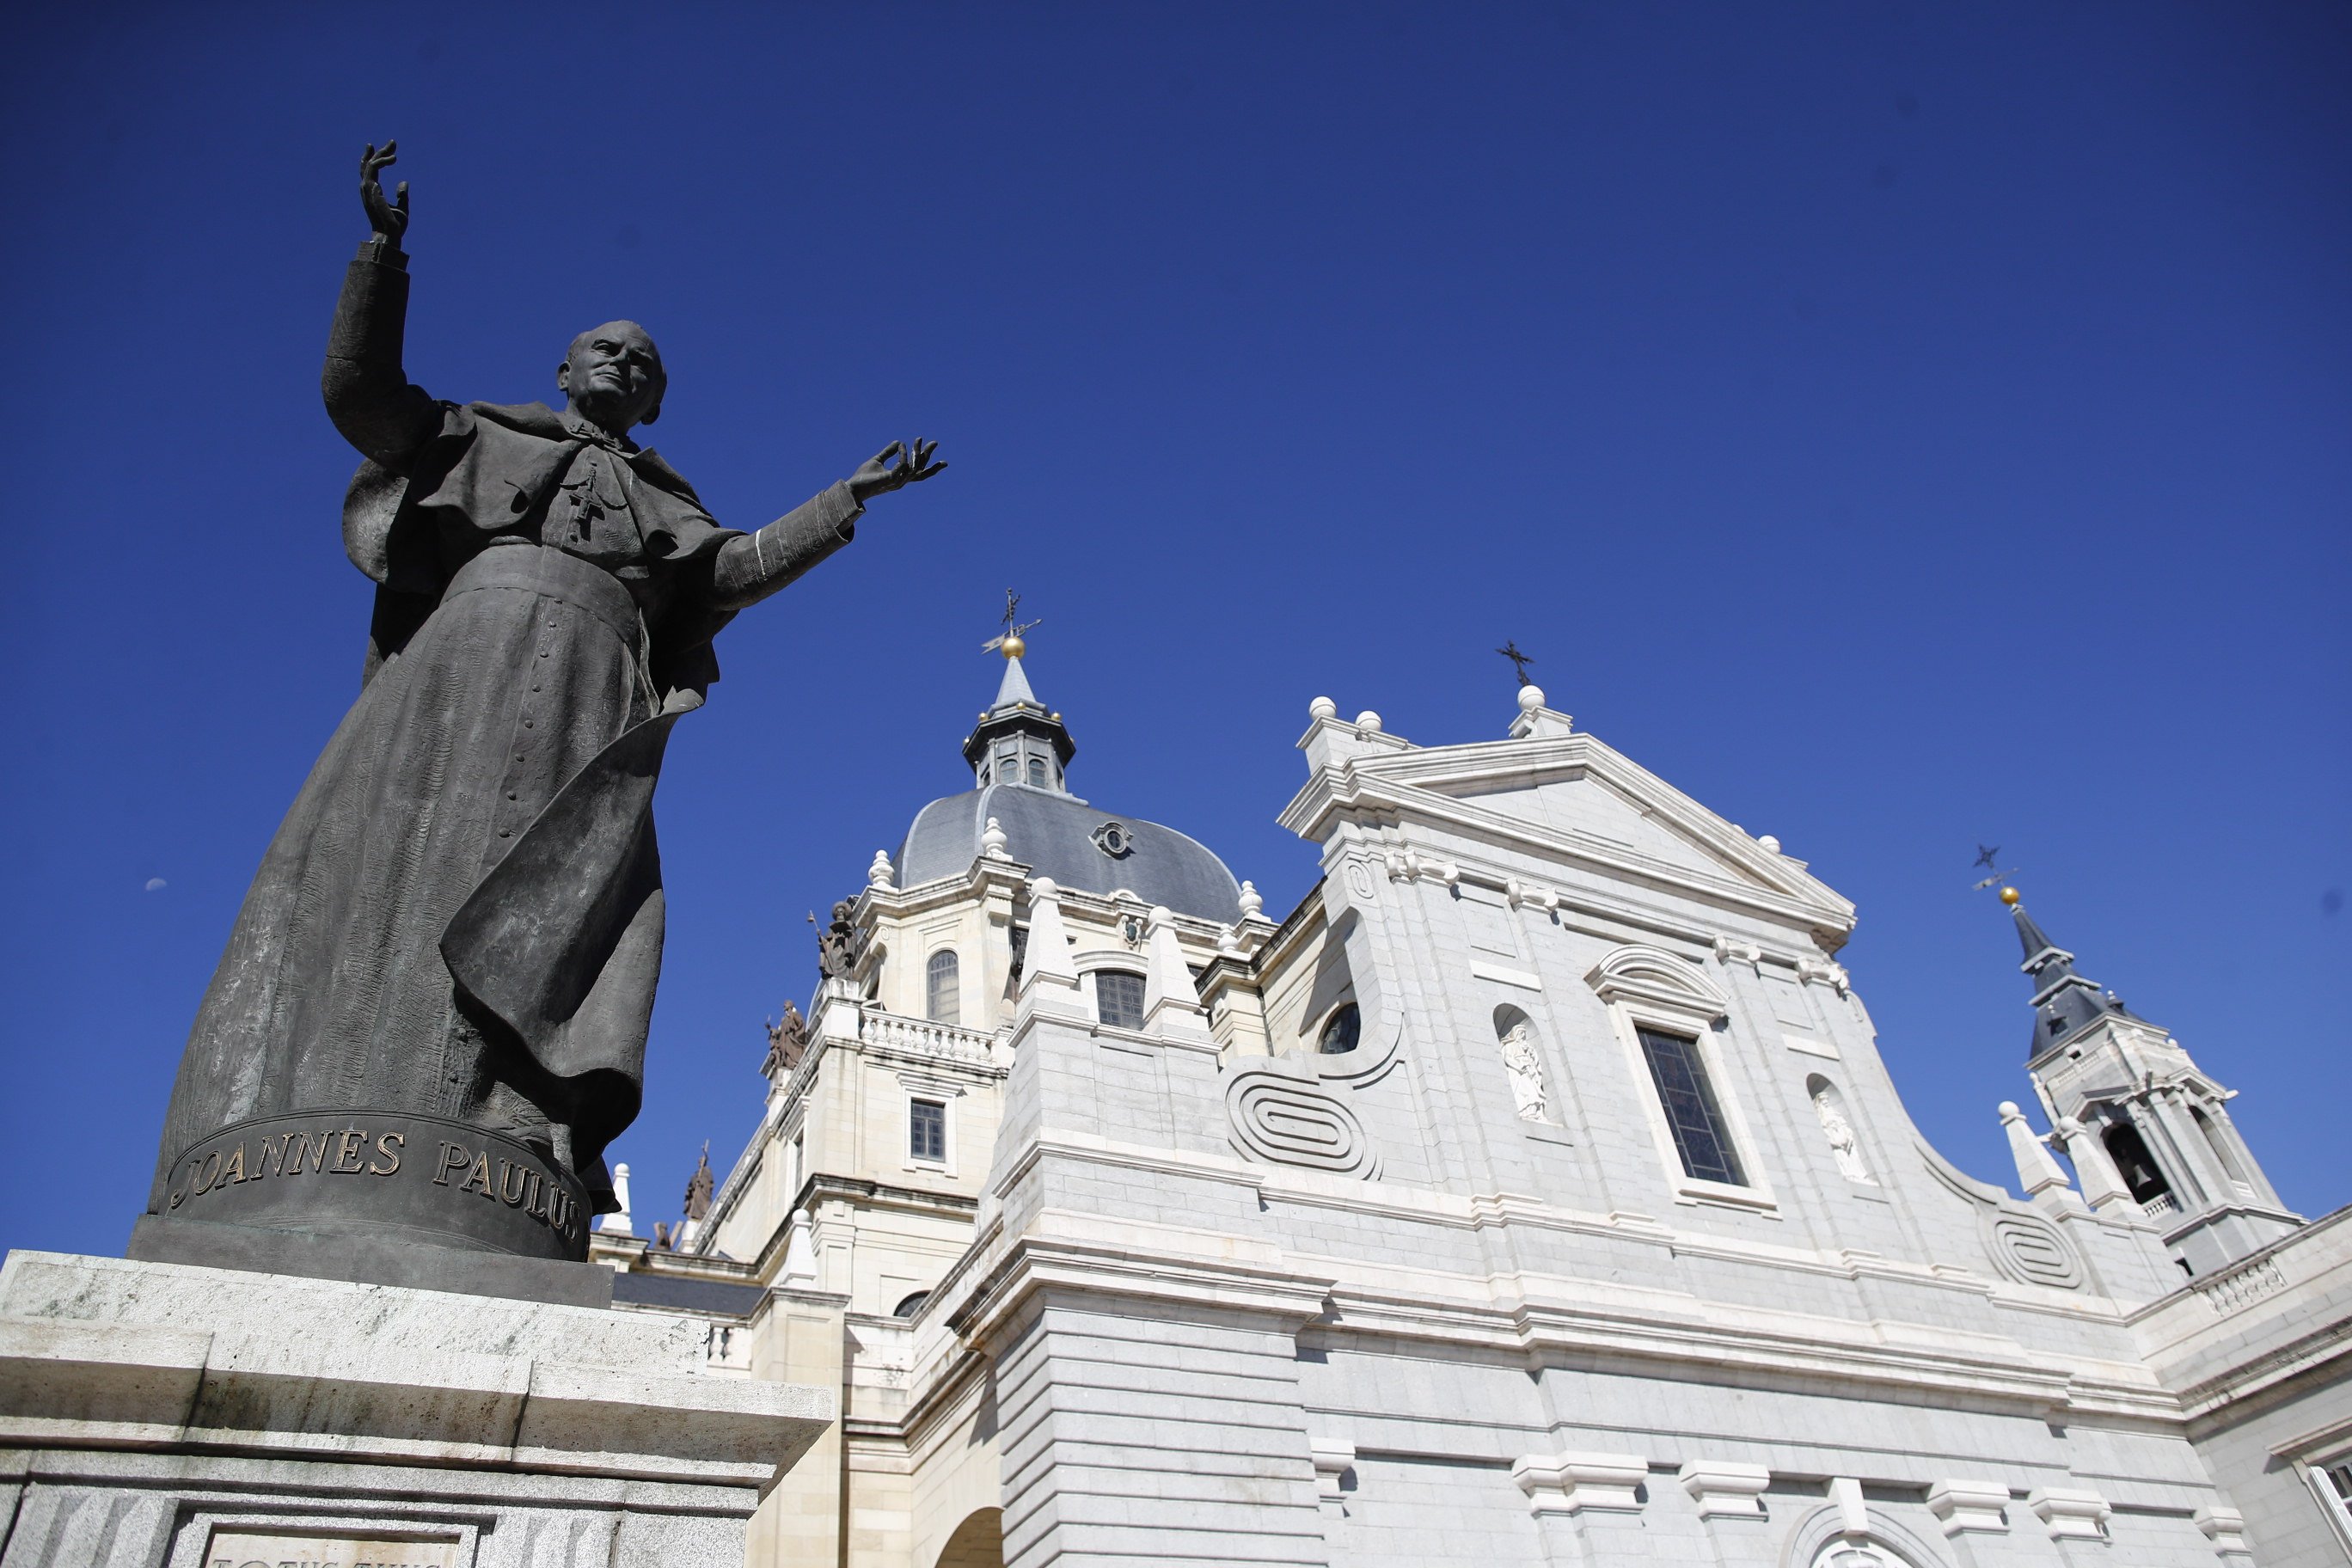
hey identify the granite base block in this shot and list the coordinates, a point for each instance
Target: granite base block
(369, 1260)
(151, 1412)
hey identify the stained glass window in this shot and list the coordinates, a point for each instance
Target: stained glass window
(1701, 1136)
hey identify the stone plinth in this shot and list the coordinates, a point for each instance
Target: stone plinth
(149, 1411)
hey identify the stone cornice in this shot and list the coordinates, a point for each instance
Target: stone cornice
(1551, 1318)
(1067, 1265)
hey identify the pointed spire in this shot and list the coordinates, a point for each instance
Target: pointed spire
(2064, 1001)
(1014, 691)
(1171, 1004)
(2102, 1182)
(1019, 740)
(2028, 932)
(1048, 977)
(2037, 1170)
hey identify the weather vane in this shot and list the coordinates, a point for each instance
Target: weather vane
(1009, 642)
(1988, 857)
(1520, 661)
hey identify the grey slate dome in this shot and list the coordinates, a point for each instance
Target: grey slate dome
(1017, 754)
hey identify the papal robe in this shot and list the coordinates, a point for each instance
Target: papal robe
(461, 915)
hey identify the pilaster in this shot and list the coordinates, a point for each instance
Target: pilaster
(797, 1337)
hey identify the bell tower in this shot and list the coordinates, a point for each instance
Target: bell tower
(2163, 1121)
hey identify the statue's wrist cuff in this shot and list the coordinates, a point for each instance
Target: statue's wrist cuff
(376, 247)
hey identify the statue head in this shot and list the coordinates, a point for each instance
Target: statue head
(613, 376)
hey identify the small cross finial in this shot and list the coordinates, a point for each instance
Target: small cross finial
(1009, 642)
(1520, 661)
(1989, 858)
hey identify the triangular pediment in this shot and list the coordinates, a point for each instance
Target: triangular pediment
(1576, 798)
(1584, 806)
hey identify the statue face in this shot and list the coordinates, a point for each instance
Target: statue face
(613, 375)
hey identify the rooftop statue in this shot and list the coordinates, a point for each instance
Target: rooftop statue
(438, 987)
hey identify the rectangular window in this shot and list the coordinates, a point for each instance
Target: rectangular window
(927, 1130)
(2337, 1478)
(1701, 1136)
(1118, 998)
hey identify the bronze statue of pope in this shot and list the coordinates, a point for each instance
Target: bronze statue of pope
(459, 925)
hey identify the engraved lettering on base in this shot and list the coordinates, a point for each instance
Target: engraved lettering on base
(244, 1548)
(264, 1173)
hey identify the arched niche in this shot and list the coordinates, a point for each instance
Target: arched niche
(1522, 1055)
(1837, 1130)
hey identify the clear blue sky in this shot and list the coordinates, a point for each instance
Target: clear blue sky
(1898, 426)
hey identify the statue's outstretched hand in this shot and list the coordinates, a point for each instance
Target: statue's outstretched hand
(389, 219)
(878, 476)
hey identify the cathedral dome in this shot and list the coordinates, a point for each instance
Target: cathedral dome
(1017, 753)
(1080, 845)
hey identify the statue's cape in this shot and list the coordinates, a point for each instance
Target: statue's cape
(493, 469)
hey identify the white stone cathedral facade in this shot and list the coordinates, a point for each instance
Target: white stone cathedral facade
(1534, 1192)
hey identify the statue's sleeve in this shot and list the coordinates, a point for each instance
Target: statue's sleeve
(750, 566)
(368, 394)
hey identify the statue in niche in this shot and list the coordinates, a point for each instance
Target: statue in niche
(1520, 1060)
(460, 918)
(1845, 1147)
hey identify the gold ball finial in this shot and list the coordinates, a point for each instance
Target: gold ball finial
(2009, 896)
(1013, 648)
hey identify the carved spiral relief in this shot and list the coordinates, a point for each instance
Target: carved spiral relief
(1286, 1121)
(2030, 1250)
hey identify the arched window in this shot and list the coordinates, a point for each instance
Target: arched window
(1853, 1554)
(1118, 998)
(1340, 1032)
(1515, 1037)
(2219, 1143)
(1038, 771)
(2134, 1162)
(911, 1305)
(942, 998)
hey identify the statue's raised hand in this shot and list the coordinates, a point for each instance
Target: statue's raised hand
(389, 219)
(879, 476)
